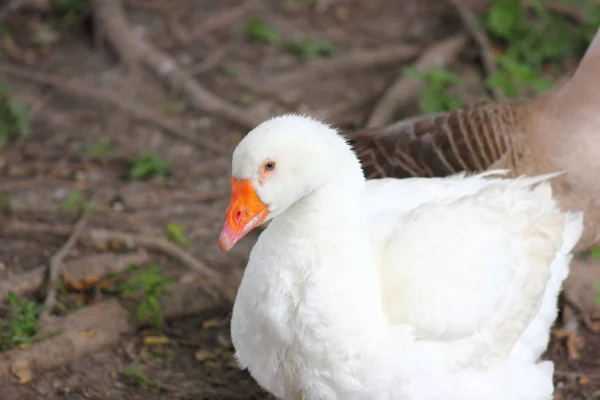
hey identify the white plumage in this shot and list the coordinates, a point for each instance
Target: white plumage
(441, 288)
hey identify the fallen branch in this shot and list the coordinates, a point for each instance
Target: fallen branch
(226, 17)
(56, 263)
(79, 273)
(211, 61)
(355, 60)
(100, 238)
(136, 110)
(88, 271)
(485, 48)
(94, 328)
(109, 14)
(405, 87)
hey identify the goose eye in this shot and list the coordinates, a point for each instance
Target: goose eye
(270, 166)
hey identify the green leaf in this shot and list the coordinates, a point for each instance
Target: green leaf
(260, 31)
(148, 165)
(434, 96)
(308, 48)
(142, 310)
(503, 17)
(176, 233)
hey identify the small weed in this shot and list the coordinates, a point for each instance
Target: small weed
(149, 284)
(308, 48)
(287, 3)
(100, 147)
(533, 40)
(597, 287)
(137, 374)
(5, 203)
(148, 165)
(76, 201)
(23, 325)
(170, 108)
(229, 70)
(73, 5)
(243, 98)
(260, 31)
(14, 118)
(595, 252)
(176, 233)
(434, 96)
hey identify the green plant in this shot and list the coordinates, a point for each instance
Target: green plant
(5, 202)
(433, 96)
(100, 147)
(531, 41)
(148, 165)
(74, 5)
(260, 31)
(23, 324)
(14, 118)
(229, 70)
(148, 284)
(176, 233)
(76, 201)
(137, 374)
(308, 48)
(595, 252)
(170, 108)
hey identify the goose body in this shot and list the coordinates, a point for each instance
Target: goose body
(391, 289)
(557, 130)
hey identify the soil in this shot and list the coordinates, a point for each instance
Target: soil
(38, 172)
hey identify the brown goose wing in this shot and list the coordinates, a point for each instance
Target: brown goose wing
(468, 139)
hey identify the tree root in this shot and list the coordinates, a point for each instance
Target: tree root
(356, 60)
(92, 329)
(441, 53)
(479, 36)
(135, 110)
(79, 273)
(110, 16)
(214, 282)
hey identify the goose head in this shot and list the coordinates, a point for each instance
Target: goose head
(278, 163)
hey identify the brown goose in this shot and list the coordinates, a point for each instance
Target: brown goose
(556, 131)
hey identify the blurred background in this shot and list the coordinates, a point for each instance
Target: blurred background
(117, 122)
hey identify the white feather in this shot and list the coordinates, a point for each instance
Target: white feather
(396, 289)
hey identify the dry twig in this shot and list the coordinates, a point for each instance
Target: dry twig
(355, 60)
(114, 99)
(227, 17)
(441, 53)
(485, 48)
(79, 273)
(109, 14)
(56, 263)
(216, 285)
(212, 60)
(213, 279)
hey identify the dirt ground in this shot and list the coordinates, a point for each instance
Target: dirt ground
(38, 172)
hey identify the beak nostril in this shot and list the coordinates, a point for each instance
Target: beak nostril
(237, 217)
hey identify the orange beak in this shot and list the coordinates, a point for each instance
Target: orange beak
(244, 212)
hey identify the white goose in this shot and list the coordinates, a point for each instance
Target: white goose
(441, 288)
